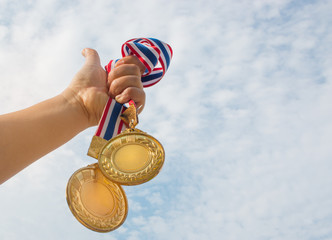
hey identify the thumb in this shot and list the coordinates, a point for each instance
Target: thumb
(91, 56)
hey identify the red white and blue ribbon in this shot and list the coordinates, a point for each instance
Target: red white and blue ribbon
(150, 52)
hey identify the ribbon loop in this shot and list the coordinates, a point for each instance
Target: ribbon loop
(150, 51)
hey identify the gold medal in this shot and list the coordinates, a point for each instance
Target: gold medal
(96, 202)
(133, 157)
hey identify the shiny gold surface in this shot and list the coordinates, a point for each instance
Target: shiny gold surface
(97, 198)
(129, 117)
(96, 145)
(96, 202)
(133, 157)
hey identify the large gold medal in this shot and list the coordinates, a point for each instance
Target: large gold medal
(96, 202)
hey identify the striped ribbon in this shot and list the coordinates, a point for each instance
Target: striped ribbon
(150, 52)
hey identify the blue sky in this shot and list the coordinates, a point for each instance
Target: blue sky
(244, 114)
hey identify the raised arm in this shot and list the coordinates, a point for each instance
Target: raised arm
(31, 133)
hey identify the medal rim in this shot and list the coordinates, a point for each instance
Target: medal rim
(130, 178)
(81, 219)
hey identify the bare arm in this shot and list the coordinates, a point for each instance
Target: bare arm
(31, 133)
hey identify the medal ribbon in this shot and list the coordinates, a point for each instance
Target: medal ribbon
(150, 52)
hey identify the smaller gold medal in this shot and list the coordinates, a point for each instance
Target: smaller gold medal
(133, 157)
(96, 202)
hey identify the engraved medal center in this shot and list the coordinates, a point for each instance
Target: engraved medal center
(131, 158)
(97, 198)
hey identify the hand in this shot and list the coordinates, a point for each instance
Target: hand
(125, 81)
(91, 87)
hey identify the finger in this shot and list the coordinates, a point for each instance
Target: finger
(120, 84)
(131, 60)
(123, 70)
(132, 93)
(91, 56)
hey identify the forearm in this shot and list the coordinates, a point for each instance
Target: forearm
(31, 133)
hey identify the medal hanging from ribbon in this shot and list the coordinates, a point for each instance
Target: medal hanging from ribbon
(125, 156)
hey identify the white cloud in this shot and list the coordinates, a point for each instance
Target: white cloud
(243, 113)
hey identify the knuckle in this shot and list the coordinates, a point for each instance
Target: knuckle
(112, 74)
(126, 69)
(114, 88)
(135, 69)
(131, 59)
(135, 61)
(129, 91)
(133, 81)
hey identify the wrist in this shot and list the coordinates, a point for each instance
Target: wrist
(76, 107)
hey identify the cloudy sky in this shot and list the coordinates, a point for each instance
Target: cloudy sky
(244, 114)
